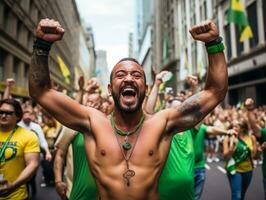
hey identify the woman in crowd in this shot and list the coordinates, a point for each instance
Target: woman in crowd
(239, 150)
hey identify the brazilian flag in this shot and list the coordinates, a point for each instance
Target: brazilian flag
(236, 14)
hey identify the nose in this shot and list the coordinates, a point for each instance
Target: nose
(128, 78)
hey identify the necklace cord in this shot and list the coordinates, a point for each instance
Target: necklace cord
(126, 133)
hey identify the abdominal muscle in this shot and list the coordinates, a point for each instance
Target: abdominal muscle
(108, 171)
(112, 185)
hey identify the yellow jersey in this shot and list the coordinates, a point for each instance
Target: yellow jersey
(22, 141)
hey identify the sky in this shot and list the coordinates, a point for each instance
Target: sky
(111, 21)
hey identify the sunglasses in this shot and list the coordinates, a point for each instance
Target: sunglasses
(8, 113)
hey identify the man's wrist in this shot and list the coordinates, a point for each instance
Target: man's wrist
(42, 44)
(58, 181)
(215, 46)
(218, 40)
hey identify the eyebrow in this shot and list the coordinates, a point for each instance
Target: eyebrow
(125, 71)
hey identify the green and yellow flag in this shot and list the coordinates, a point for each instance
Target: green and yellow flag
(236, 14)
(64, 69)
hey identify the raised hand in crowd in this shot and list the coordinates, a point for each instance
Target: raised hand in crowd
(193, 82)
(49, 30)
(205, 32)
(10, 82)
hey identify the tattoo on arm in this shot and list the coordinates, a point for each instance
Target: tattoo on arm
(190, 110)
(39, 71)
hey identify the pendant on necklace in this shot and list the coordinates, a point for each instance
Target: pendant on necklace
(127, 146)
(127, 175)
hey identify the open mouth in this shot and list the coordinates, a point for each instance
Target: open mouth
(129, 94)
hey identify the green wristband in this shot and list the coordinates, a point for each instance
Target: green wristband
(215, 48)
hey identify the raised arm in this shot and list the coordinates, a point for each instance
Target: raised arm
(196, 107)
(152, 98)
(63, 108)
(193, 83)
(80, 93)
(249, 104)
(9, 83)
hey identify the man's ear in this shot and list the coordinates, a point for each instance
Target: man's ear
(109, 89)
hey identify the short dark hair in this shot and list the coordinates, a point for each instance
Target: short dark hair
(16, 105)
(127, 59)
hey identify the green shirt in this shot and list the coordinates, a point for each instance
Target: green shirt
(84, 187)
(177, 179)
(261, 140)
(198, 141)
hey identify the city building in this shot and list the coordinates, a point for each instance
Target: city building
(174, 49)
(18, 20)
(246, 61)
(101, 71)
(144, 20)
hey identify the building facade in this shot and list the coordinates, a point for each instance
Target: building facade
(144, 19)
(175, 50)
(102, 72)
(18, 20)
(246, 61)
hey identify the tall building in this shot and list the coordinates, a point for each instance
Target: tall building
(144, 16)
(246, 61)
(174, 49)
(130, 45)
(91, 47)
(18, 20)
(102, 72)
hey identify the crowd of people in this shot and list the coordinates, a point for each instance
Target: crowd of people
(89, 143)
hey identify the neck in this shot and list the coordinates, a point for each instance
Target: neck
(27, 123)
(6, 128)
(127, 121)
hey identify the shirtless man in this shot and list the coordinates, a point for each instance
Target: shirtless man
(126, 151)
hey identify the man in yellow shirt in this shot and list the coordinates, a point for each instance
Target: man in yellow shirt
(19, 152)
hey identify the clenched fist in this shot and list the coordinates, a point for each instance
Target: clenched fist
(49, 30)
(249, 103)
(205, 32)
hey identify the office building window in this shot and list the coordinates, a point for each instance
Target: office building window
(228, 41)
(15, 69)
(253, 21)
(2, 58)
(26, 72)
(264, 17)
(5, 17)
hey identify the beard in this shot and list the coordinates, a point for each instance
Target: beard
(125, 108)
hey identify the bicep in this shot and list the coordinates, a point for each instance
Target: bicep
(32, 158)
(192, 110)
(67, 111)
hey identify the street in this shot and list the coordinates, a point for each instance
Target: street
(216, 185)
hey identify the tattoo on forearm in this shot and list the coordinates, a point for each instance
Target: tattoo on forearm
(39, 71)
(190, 110)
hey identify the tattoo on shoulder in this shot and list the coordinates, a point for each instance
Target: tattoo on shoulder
(192, 108)
(39, 72)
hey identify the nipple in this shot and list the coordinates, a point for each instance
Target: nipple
(103, 153)
(150, 152)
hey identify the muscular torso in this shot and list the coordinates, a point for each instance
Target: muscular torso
(108, 165)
